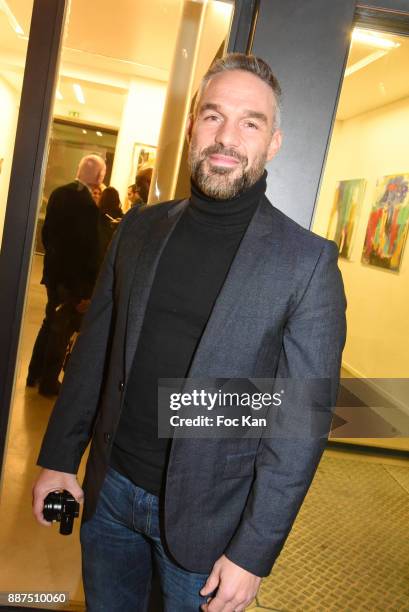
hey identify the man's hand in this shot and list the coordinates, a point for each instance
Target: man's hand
(236, 587)
(51, 480)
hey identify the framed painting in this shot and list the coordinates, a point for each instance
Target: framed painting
(388, 223)
(143, 156)
(344, 214)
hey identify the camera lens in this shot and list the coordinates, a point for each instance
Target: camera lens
(53, 504)
(61, 506)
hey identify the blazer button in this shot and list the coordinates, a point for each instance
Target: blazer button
(121, 385)
(107, 437)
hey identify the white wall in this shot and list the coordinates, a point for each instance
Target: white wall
(371, 146)
(141, 121)
(9, 102)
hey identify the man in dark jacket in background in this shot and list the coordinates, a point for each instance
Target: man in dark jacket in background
(71, 262)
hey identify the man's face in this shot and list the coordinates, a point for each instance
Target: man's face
(231, 136)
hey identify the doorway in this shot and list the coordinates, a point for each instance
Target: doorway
(363, 206)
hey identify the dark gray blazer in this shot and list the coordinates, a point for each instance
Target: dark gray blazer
(281, 312)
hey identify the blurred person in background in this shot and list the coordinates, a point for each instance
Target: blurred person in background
(96, 194)
(143, 182)
(110, 215)
(72, 256)
(134, 199)
(138, 192)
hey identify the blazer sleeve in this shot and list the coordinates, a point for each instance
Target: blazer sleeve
(70, 426)
(287, 458)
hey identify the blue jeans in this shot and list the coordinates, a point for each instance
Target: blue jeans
(120, 543)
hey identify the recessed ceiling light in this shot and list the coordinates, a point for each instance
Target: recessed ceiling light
(84, 132)
(79, 94)
(4, 8)
(98, 133)
(374, 39)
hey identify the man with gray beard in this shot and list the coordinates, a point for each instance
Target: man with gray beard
(222, 285)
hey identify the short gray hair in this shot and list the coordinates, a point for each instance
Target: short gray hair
(249, 63)
(91, 169)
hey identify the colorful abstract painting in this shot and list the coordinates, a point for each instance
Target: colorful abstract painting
(388, 223)
(344, 213)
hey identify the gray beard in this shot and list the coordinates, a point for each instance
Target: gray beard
(216, 183)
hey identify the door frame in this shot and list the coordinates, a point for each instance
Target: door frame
(33, 126)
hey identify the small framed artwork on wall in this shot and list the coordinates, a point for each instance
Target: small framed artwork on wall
(143, 156)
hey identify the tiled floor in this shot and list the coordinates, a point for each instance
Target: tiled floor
(348, 551)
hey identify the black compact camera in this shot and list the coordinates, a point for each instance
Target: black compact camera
(61, 506)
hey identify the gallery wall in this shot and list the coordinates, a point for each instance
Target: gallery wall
(9, 100)
(371, 146)
(140, 124)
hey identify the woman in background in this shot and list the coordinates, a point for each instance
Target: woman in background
(110, 215)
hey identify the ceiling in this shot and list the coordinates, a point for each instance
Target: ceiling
(104, 103)
(132, 36)
(381, 82)
(104, 48)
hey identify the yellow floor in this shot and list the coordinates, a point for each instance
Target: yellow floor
(349, 549)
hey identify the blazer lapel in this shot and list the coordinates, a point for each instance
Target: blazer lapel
(257, 240)
(143, 276)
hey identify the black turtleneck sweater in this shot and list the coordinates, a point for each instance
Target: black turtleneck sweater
(189, 276)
